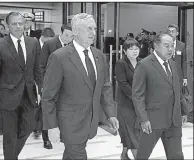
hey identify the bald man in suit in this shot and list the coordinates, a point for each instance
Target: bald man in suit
(156, 97)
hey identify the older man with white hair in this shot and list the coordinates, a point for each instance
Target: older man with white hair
(76, 85)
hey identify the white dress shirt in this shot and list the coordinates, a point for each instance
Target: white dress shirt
(41, 43)
(22, 42)
(61, 41)
(174, 44)
(162, 62)
(174, 48)
(81, 54)
(28, 32)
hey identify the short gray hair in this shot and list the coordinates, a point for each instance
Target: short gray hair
(79, 17)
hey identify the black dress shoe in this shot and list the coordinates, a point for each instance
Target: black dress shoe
(48, 145)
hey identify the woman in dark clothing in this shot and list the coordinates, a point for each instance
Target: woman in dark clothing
(126, 113)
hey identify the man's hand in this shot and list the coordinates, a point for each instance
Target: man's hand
(114, 123)
(184, 119)
(146, 127)
(184, 82)
(54, 135)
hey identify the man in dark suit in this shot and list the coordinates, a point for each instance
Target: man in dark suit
(179, 54)
(75, 85)
(55, 43)
(19, 70)
(143, 41)
(156, 98)
(29, 17)
(46, 34)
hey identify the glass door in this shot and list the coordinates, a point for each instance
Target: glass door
(108, 36)
(107, 21)
(187, 20)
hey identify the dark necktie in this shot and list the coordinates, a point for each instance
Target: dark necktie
(21, 53)
(167, 70)
(90, 69)
(26, 33)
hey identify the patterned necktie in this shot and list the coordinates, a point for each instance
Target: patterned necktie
(167, 70)
(90, 69)
(21, 53)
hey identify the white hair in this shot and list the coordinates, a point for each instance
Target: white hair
(79, 18)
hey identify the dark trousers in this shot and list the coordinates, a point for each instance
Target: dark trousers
(39, 124)
(45, 135)
(17, 126)
(171, 139)
(75, 151)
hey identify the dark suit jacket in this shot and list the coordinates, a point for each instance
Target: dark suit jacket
(67, 98)
(13, 77)
(153, 94)
(144, 51)
(181, 61)
(124, 76)
(32, 33)
(49, 47)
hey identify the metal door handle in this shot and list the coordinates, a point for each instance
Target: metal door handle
(191, 63)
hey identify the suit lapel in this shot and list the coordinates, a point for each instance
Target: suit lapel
(58, 42)
(173, 70)
(74, 57)
(177, 45)
(98, 65)
(13, 50)
(128, 62)
(158, 66)
(28, 50)
(97, 60)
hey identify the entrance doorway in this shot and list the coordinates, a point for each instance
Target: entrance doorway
(116, 20)
(187, 20)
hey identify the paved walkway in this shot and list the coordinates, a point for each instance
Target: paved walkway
(103, 146)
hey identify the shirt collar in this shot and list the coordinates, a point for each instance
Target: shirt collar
(28, 32)
(79, 47)
(161, 61)
(15, 40)
(61, 40)
(41, 43)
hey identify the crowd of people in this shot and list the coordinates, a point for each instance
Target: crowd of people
(57, 85)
